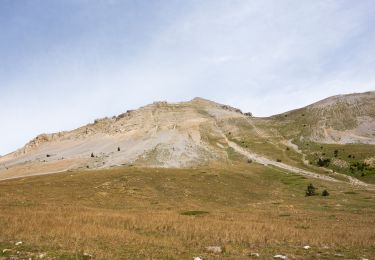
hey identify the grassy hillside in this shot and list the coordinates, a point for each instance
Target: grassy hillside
(350, 159)
(338, 131)
(137, 213)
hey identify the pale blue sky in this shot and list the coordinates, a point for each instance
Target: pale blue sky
(65, 63)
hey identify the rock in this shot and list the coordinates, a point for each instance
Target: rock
(42, 255)
(197, 258)
(6, 250)
(307, 247)
(88, 255)
(19, 243)
(254, 255)
(280, 257)
(339, 255)
(214, 249)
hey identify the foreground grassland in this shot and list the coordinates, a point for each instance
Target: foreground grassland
(135, 213)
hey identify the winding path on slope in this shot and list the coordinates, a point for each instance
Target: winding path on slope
(265, 161)
(352, 180)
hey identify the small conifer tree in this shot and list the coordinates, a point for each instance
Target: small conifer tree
(311, 190)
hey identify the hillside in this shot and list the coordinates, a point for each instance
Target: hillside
(201, 132)
(160, 134)
(339, 119)
(337, 132)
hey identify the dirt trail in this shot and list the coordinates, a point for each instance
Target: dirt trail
(265, 161)
(352, 180)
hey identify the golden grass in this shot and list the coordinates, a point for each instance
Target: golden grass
(137, 214)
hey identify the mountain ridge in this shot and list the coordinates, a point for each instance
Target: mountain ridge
(193, 133)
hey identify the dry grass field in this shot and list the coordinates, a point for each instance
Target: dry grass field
(138, 213)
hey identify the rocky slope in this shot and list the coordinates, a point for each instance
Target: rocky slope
(195, 133)
(160, 134)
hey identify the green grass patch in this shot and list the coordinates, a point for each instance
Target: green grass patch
(194, 213)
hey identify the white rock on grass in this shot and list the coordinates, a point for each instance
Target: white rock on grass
(87, 255)
(197, 258)
(6, 250)
(18, 243)
(214, 249)
(280, 257)
(306, 247)
(254, 255)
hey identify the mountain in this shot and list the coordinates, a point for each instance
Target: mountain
(339, 119)
(161, 134)
(196, 133)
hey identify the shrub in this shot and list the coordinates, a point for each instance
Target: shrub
(325, 193)
(311, 190)
(336, 153)
(323, 162)
(92, 155)
(249, 161)
(194, 213)
(118, 149)
(278, 160)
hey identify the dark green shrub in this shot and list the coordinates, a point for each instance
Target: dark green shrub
(194, 213)
(311, 190)
(325, 193)
(323, 162)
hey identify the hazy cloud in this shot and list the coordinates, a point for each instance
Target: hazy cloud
(64, 64)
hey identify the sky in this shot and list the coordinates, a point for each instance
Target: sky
(65, 63)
